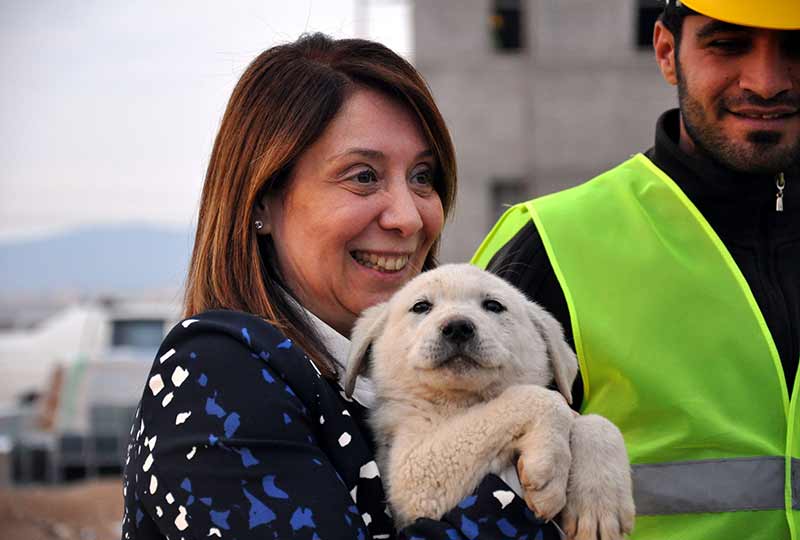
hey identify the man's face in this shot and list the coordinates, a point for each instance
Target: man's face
(739, 93)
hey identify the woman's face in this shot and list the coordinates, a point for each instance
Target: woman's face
(359, 214)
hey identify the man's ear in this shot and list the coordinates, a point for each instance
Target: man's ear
(664, 47)
(261, 217)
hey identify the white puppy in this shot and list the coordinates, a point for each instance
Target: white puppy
(460, 360)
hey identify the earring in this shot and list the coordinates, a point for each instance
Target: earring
(259, 224)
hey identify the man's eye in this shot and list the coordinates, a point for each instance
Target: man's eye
(791, 45)
(494, 306)
(730, 45)
(422, 306)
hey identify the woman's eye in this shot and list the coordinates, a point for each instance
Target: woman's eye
(423, 177)
(366, 177)
(423, 180)
(422, 306)
(494, 306)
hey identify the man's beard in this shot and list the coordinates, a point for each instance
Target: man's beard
(761, 152)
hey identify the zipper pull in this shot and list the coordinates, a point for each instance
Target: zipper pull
(780, 183)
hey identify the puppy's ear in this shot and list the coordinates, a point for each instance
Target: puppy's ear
(366, 330)
(563, 360)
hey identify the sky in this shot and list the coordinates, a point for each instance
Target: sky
(109, 108)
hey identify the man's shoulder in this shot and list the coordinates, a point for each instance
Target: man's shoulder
(516, 230)
(638, 163)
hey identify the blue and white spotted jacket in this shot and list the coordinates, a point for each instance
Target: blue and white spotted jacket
(238, 436)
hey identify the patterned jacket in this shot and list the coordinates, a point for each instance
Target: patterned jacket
(238, 436)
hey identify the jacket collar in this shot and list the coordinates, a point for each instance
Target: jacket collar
(338, 347)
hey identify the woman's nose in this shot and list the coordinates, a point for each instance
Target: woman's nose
(401, 212)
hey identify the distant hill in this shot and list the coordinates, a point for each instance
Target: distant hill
(100, 259)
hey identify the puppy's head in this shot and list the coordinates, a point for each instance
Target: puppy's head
(458, 330)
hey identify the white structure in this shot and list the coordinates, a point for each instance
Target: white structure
(88, 363)
(118, 331)
(576, 97)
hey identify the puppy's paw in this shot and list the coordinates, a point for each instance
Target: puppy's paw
(599, 492)
(543, 469)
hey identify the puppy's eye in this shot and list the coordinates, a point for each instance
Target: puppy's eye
(423, 306)
(494, 306)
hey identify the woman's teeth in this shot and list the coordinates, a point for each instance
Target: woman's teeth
(382, 263)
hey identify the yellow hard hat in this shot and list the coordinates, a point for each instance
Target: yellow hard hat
(773, 14)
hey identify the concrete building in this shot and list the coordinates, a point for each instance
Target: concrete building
(539, 95)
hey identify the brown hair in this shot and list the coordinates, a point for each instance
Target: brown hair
(282, 104)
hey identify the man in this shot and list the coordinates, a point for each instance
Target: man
(676, 276)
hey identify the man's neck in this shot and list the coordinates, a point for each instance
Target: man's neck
(687, 145)
(700, 176)
(685, 142)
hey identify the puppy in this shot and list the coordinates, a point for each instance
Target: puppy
(460, 360)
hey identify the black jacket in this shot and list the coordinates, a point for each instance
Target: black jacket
(238, 436)
(740, 208)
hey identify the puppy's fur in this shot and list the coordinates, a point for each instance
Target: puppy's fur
(460, 360)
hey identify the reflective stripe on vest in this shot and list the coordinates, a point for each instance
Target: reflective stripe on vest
(674, 350)
(715, 485)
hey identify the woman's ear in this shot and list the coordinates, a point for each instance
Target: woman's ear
(261, 217)
(664, 46)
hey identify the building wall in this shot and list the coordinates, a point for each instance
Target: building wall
(577, 99)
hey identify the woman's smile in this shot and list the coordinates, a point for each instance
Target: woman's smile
(385, 263)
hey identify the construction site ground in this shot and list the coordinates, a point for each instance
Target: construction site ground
(84, 510)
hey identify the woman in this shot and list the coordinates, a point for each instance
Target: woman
(327, 189)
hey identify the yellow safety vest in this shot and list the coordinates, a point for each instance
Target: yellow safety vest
(674, 350)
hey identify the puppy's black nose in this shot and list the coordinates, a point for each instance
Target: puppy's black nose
(458, 330)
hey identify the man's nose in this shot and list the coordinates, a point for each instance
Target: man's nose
(767, 70)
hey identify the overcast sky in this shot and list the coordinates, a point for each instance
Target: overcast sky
(108, 108)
